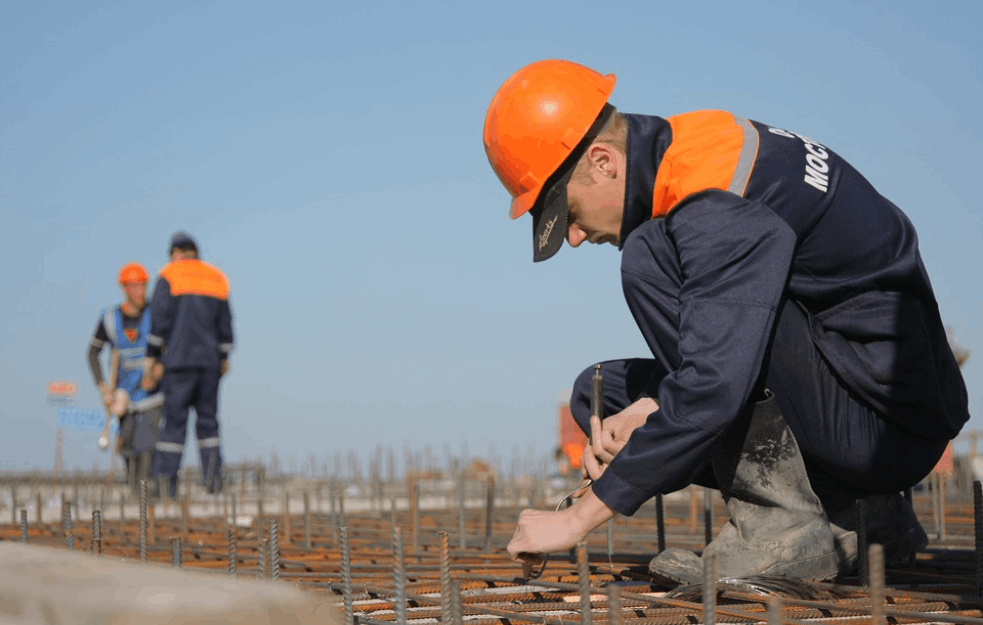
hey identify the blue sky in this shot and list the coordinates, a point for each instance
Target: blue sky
(327, 156)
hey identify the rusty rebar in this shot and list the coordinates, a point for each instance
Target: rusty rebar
(462, 540)
(445, 578)
(233, 548)
(307, 520)
(274, 551)
(144, 521)
(876, 576)
(774, 610)
(709, 588)
(399, 575)
(614, 605)
(66, 523)
(261, 555)
(96, 531)
(176, 555)
(583, 579)
(346, 576)
(489, 511)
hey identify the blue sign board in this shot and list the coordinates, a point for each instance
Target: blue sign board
(85, 419)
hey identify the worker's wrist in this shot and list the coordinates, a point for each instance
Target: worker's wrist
(590, 512)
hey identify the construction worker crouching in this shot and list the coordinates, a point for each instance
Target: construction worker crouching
(799, 361)
(125, 329)
(188, 348)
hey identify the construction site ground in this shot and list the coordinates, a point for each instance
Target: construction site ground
(434, 551)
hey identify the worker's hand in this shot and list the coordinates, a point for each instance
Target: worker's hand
(540, 532)
(153, 370)
(224, 368)
(610, 435)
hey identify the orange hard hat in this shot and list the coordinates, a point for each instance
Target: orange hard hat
(535, 121)
(132, 272)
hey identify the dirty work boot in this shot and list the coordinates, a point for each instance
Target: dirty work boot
(891, 522)
(777, 524)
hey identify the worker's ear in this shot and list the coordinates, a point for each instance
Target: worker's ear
(602, 160)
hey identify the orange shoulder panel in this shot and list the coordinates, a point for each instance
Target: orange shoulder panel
(195, 277)
(705, 151)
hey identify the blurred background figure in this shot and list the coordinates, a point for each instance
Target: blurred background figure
(188, 349)
(125, 328)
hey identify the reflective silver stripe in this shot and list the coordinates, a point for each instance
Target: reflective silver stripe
(226, 347)
(109, 323)
(155, 340)
(745, 160)
(204, 443)
(96, 343)
(174, 448)
(157, 399)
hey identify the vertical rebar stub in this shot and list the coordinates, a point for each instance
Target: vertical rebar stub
(144, 522)
(709, 588)
(399, 575)
(233, 548)
(97, 532)
(876, 577)
(346, 575)
(274, 551)
(445, 578)
(583, 581)
(176, 555)
(66, 520)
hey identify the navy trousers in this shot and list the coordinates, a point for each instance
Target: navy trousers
(850, 451)
(183, 389)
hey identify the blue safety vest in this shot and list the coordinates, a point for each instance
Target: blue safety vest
(132, 353)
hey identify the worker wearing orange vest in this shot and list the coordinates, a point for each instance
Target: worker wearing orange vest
(799, 361)
(190, 340)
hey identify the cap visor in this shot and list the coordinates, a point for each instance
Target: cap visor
(549, 220)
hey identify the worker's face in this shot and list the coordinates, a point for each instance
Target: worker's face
(595, 209)
(136, 293)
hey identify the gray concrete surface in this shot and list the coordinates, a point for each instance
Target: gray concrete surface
(40, 585)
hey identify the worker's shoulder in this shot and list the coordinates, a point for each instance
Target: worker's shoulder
(195, 277)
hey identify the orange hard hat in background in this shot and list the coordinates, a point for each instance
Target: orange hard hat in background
(132, 272)
(535, 121)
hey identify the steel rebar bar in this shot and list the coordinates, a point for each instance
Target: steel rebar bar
(346, 576)
(97, 532)
(709, 588)
(233, 548)
(144, 524)
(583, 579)
(176, 555)
(399, 575)
(274, 551)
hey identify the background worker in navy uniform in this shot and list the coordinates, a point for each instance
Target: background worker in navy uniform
(799, 361)
(189, 345)
(125, 328)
